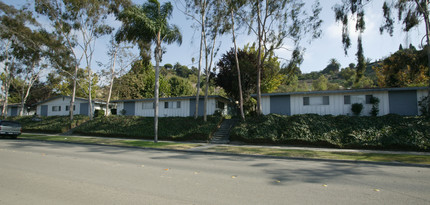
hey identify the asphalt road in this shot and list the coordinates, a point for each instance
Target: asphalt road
(58, 173)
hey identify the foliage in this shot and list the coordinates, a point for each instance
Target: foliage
(227, 76)
(386, 132)
(51, 124)
(170, 128)
(356, 108)
(99, 113)
(180, 87)
(424, 108)
(375, 106)
(405, 68)
(320, 84)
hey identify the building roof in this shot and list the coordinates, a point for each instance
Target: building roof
(65, 96)
(170, 98)
(343, 91)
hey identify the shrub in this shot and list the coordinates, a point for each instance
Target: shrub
(356, 108)
(386, 132)
(424, 106)
(99, 113)
(375, 106)
(51, 124)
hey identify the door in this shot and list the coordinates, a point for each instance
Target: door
(83, 110)
(44, 110)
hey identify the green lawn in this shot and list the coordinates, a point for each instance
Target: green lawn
(357, 156)
(110, 141)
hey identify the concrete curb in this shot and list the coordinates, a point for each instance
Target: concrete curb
(203, 152)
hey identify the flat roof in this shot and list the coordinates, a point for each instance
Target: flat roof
(343, 91)
(65, 96)
(170, 98)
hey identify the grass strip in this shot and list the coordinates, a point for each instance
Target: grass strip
(110, 141)
(357, 156)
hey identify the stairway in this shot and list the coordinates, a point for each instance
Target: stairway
(222, 135)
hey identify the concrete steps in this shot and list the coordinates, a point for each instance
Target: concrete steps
(222, 135)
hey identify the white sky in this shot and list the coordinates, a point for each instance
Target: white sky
(317, 54)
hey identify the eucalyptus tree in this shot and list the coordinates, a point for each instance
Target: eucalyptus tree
(19, 45)
(343, 12)
(274, 23)
(80, 23)
(411, 13)
(149, 23)
(120, 59)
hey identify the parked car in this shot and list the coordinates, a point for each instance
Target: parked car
(10, 128)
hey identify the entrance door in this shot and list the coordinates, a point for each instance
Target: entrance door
(44, 110)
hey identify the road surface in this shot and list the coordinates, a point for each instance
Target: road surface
(58, 173)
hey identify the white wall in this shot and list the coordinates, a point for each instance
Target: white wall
(336, 104)
(265, 105)
(63, 102)
(184, 111)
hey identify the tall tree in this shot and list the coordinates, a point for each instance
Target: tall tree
(80, 23)
(149, 23)
(411, 13)
(277, 22)
(342, 13)
(20, 46)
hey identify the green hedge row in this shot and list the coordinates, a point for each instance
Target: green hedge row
(385, 132)
(52, 124)
(169, 128)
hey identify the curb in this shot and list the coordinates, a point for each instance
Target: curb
(242, 155)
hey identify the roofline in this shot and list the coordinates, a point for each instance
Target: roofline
(169, 98)
(344, 91)
(61, 96)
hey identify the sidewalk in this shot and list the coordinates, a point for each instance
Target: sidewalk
(205, 146)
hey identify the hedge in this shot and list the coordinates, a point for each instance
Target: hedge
(384, 132)
(51, 124)
(169, 128)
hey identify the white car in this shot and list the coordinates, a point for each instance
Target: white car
(10, 128)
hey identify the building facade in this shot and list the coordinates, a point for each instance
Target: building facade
(402, 101)
(59, 106)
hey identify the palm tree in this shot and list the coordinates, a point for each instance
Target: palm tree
(148, 23)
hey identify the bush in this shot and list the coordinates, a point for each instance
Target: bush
(99, 113)
(424, 106)
(356, 108)
(375, 106)
(51, 124)
(169, 128)
(384, 132)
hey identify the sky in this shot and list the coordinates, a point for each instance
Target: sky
(317, 54)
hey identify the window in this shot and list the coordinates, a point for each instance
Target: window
(172, 104)
(56, 108)
(316, 100)
(368, 97)
(67, 108)
(305, 100)
(346, 99)
(148, 105)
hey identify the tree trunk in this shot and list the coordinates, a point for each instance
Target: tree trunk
(196, 113)
(72, 101)
(90, 103)
(157, 84)
(242, 114)
(427, 23)
(259, 59)
(207, 69)
(112, 71)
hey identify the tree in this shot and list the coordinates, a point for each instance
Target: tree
(149, 23)
(227, 75)
(22, 50)
(411, 14)
(321, 83)
(180, 87)
(342, 11)
(278, 21)
(332, 67)
(405, 68)
(73, 18)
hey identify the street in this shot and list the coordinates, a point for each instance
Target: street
(34, 173)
